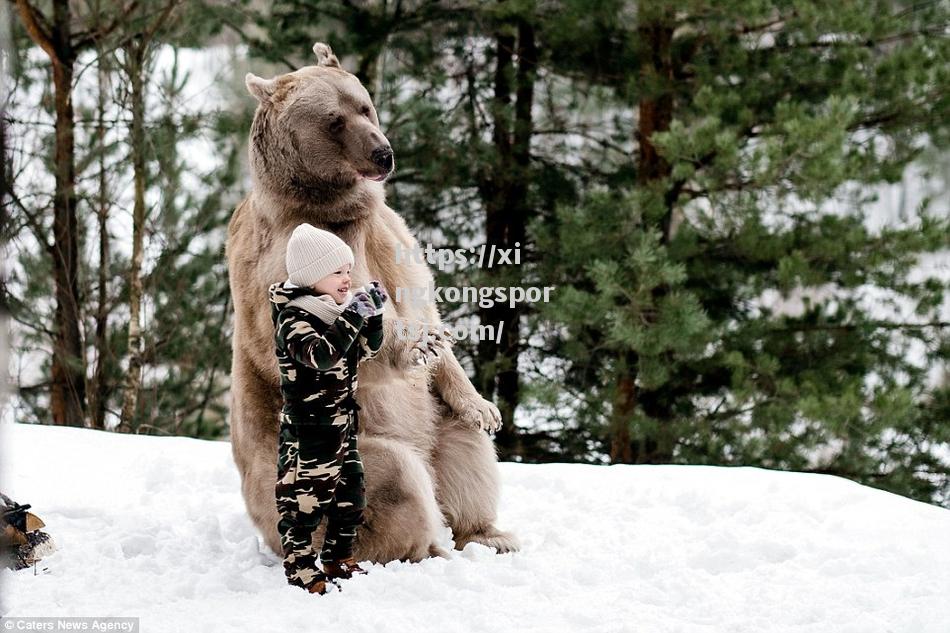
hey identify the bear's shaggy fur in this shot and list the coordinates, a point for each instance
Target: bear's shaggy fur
(315, 148)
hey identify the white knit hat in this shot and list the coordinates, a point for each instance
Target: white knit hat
(313, 253)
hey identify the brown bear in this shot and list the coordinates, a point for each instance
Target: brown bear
(317, 155)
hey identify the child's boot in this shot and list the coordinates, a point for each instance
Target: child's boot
(344, 568)
(320, 585)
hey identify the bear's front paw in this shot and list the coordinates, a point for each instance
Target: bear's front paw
(420, 355)
(480, 413)
(430, 348)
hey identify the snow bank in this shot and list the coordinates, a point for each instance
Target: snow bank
(155, 528)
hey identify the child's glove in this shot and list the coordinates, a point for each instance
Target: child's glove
(378, 292)
(363, 304)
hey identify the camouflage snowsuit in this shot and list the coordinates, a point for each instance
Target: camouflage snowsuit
(319, 471)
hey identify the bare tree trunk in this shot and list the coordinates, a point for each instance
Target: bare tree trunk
(621, 449)
(5, 229)
(99, 389)
(656, 110)
(135, 54)
(68, 389)
(515, 233)
(494, 187)
(69, 373)
(505, 193)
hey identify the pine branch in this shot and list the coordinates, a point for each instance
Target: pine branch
(39, 232)
(90, 38)
(38, 28)
(848, 327)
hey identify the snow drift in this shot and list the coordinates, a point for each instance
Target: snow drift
(155, 528)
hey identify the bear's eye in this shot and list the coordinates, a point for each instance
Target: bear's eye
(365, 110)
(337, 125)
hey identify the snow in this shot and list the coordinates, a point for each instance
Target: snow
(155, 528)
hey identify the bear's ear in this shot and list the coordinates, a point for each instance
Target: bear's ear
(261, 88)
(325, 56)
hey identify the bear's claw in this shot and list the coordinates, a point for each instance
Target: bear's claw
(481, 414)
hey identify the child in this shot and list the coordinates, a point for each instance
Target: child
(323, 332)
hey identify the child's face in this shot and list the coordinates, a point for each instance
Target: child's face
(336, 284)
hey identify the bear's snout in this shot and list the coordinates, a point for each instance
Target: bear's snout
(382, 157)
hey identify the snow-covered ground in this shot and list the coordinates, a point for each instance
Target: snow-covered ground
(155, 527)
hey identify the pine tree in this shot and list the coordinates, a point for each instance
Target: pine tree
(62, 42)
(183, 280)
(683, 173)
(138, 50)
(759, 127)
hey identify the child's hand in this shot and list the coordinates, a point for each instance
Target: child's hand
(377, 290)
(363, 305)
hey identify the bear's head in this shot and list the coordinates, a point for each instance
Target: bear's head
(315, 134)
